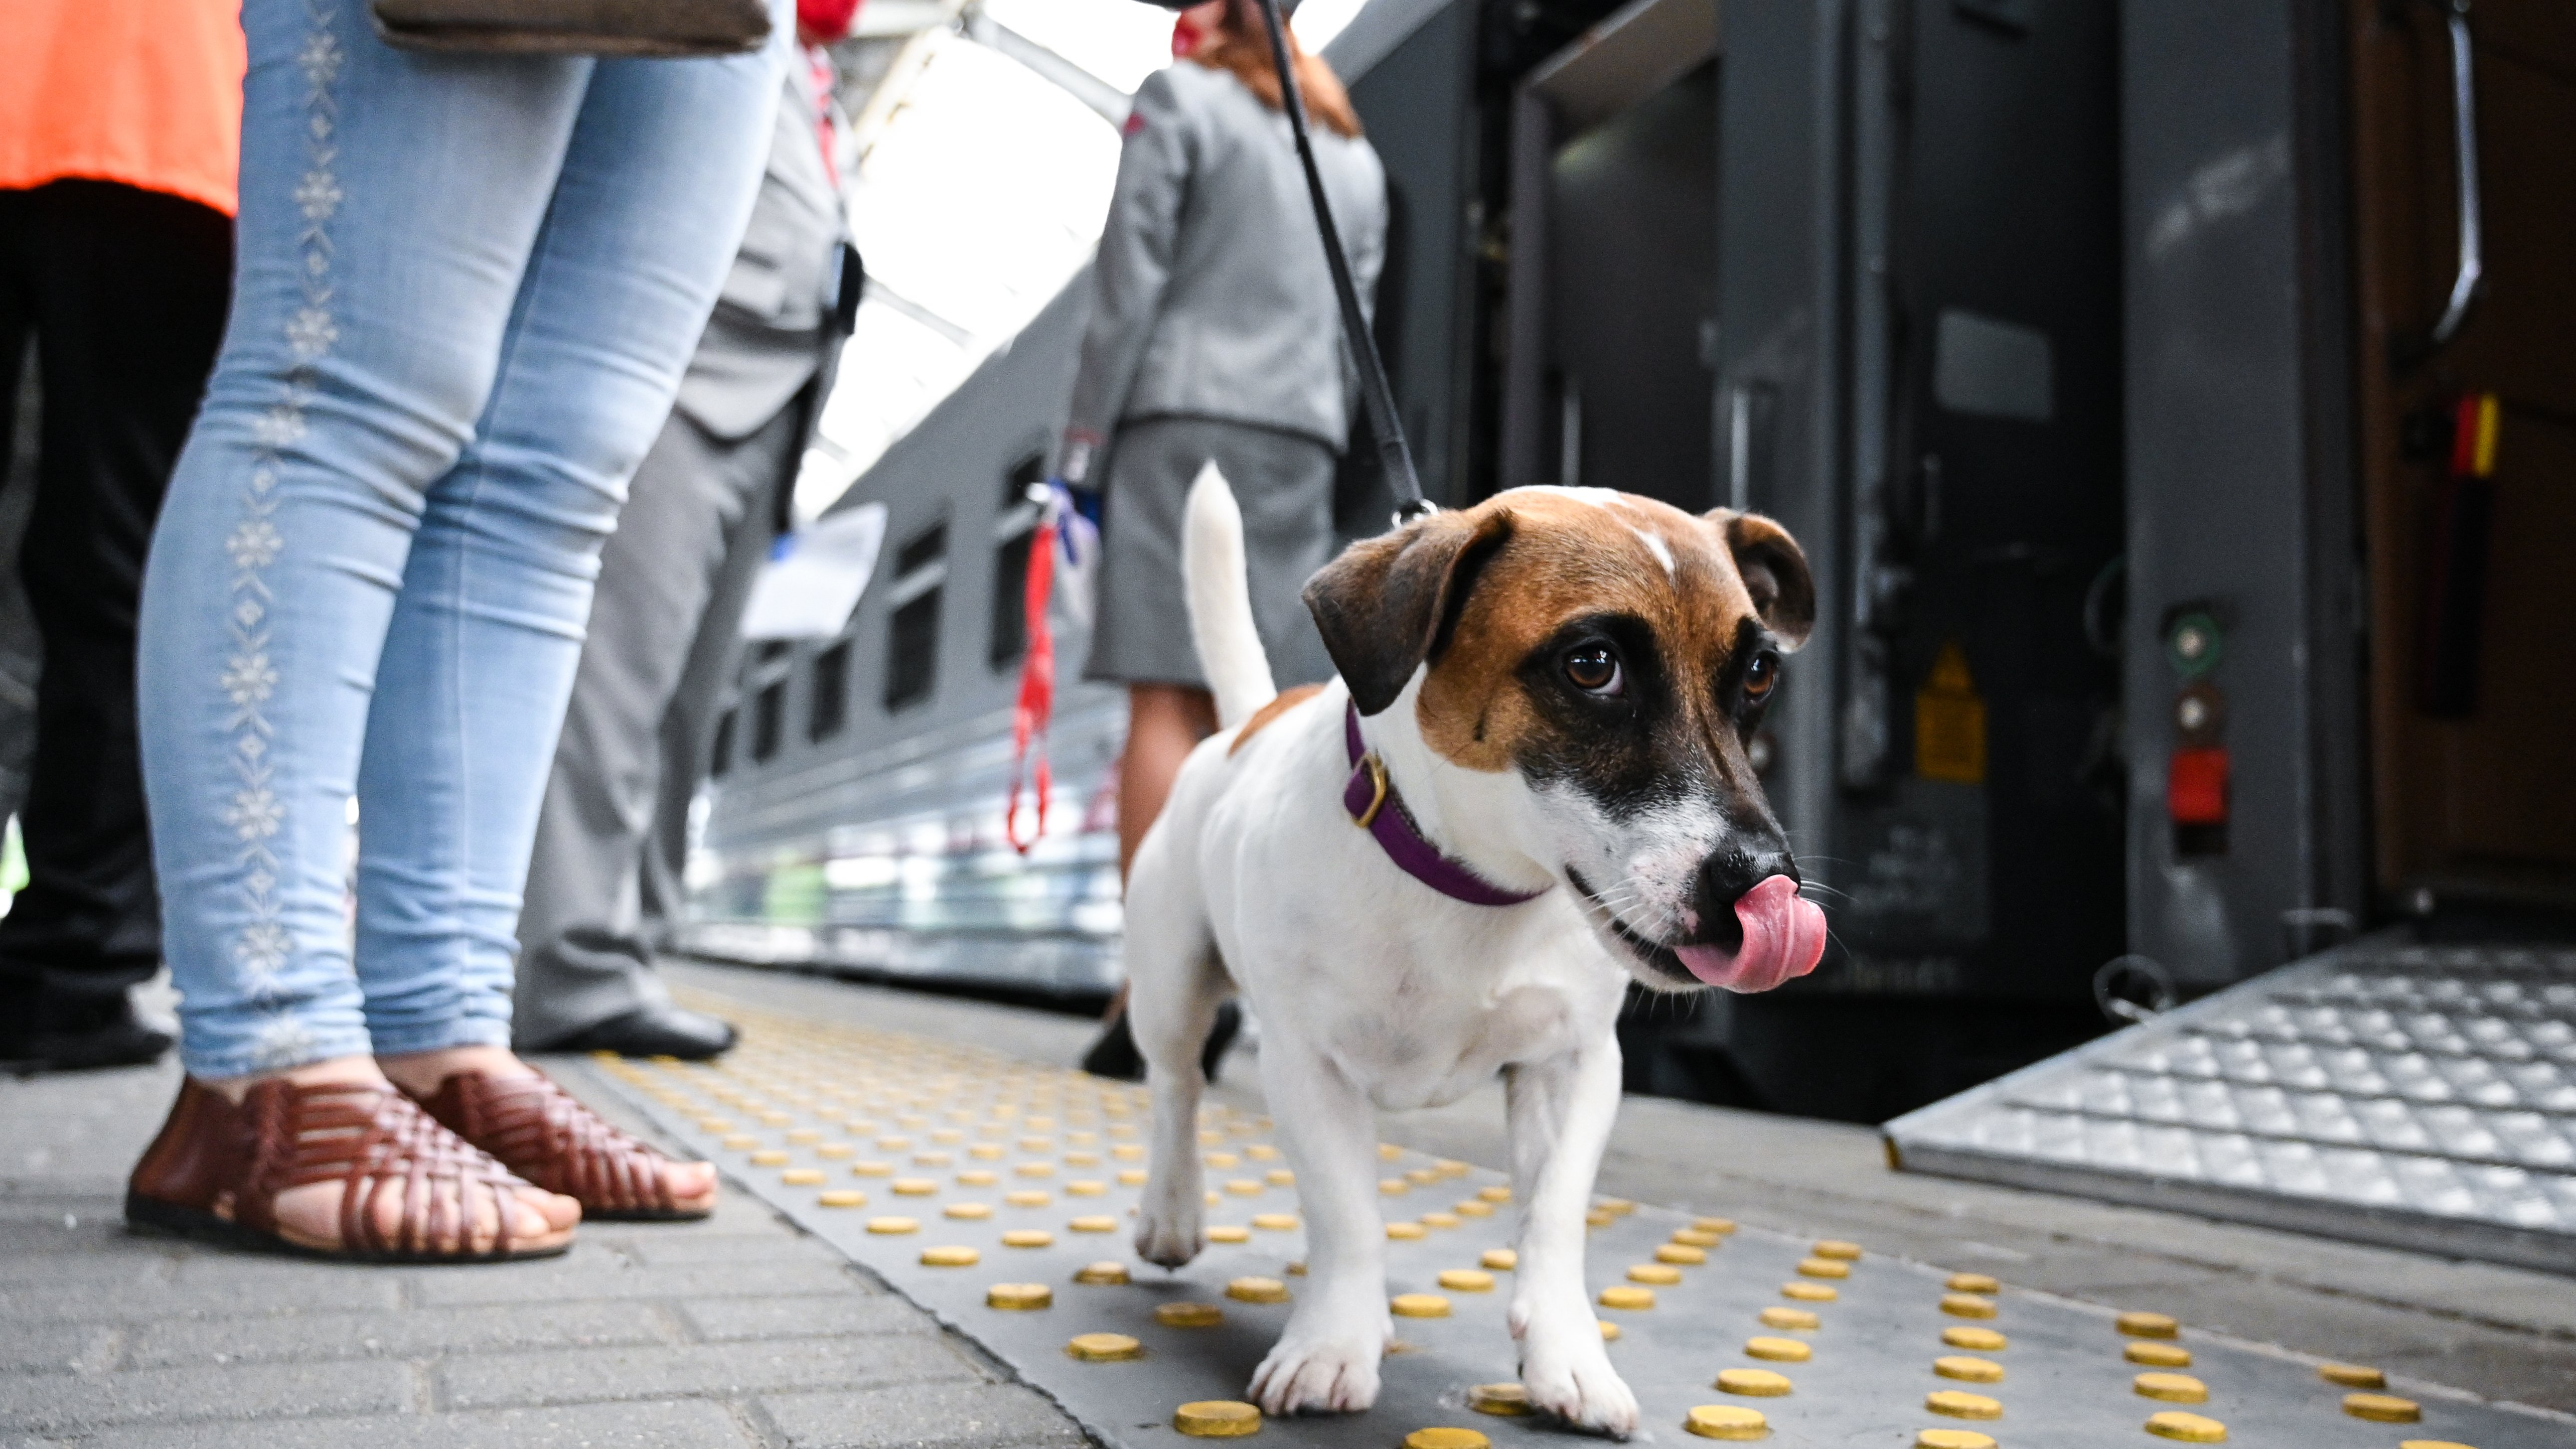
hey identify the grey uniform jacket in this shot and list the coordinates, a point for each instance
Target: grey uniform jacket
(1210, 295)
(771, 331)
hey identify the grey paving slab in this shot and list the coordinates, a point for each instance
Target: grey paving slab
(682, 1424)
(715, 1369)
(64, 1402)
(407, 1333)
(577, 1279)
(922, 1416)
(721, 1320)
(57, 1347)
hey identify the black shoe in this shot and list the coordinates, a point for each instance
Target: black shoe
(1115, 1054)
(654, 1031)
(78, 1037)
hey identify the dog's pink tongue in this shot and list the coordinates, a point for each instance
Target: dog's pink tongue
(1784, 936)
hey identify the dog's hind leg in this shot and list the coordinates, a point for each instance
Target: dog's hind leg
(1328, 1357)
(1560, 1114)
(1175, 985)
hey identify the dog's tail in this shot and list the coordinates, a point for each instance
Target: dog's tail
(1220, 595)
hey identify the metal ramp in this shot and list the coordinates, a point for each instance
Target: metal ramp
(2419, 1095)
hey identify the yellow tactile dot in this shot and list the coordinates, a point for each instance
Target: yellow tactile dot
(1694, 1238)
(1466, 1280)
(1507, 1400)
(1961, 1405)
(1243, 1186)
(1296, 1269)
(978, 1177)
(2156, 1355)
(2148, 1325)
(1280, 1177)
(1210, 1139)
(913, 1186)
(1496, 1194)
(1953, 1439)
(1823, 1268)
(1229, 1233)
(1838, 1250)
(934, 1159)
(1132, 1177)
(1028, 1238)
(1418, 1305)
(740, 1143)
(1221, 1159)
(1753, 1383)
(1446, 1438)
(1600, 1218)
(1726, 1421)
(1967, 1305)
(804, 1135)
(1809, 1292)
(1262, 1152)
(802, 1177)
(2383, 1408)
(1393, 1186)
(1019, 1296)
(1778, 1350)
(1188, 1315)
(2429, 1444)
(771, 1158)
(950, 1256)
(1423, 1176)
(845, 1197)
(1035, 1169)
(2352, 1375)
(2188, 1428)
(1973, 1283)
(1473, 1208)
(885, 1227)
(2171, 1388)
(1027, 1197)
(1623, 1296)
(1275, 1222)
(1501, 1260)
(1388, 1151)
(1983, 1340)
(947, 1135)
(1661, 1275)
(833, 1151)
(1968, 1370)
(1440, 1220)
(1096, 1224)
(1086, 1187)
(1406, 1232)
(1108, 1272)
(713, 1124)
(1257, 1290)
(986, 1152)
(1789, 1318)
(1217, 1419)
(1128, 1152)
(968, 1212)
(1681, 1253)
(1719, 1226)
(894, 1144)
(1609, 1330)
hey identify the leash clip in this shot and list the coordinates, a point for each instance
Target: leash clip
(1377, 785)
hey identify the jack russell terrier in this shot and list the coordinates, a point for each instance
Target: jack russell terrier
(1527, 788)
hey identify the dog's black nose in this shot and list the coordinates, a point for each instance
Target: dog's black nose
(1733, 869)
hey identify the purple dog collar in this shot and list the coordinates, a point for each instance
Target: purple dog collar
(1371, 802)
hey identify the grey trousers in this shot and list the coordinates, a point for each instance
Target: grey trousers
(604, 885)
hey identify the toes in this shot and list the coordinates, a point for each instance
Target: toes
(690, 1181)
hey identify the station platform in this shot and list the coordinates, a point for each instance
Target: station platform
(785, 1322)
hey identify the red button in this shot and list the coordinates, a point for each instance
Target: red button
(2196, 787)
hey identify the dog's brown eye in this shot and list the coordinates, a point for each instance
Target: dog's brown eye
(1759, 678)
(1593, 669)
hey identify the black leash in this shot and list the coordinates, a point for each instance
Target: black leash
(1375, 395)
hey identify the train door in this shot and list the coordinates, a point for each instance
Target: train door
(2467, 443)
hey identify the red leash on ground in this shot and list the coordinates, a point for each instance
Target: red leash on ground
(1037, 689)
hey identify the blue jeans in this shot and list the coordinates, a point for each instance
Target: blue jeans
(467, 288)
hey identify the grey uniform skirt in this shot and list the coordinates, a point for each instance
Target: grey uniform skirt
(1282, 481)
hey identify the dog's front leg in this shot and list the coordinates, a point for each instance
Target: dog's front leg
(1560, 1115)
(1328, 1357)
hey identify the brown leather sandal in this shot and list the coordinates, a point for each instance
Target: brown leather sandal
(546, 1135)
(216, 1170)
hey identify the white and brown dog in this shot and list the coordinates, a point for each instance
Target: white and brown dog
(1527, 787)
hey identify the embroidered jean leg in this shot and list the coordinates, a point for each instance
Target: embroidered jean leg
(656, 189)
(388, 206)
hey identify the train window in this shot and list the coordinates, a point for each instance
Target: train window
(1013, 527)
(766, 707)
(720, 758)
(829, 703)
(912, 626)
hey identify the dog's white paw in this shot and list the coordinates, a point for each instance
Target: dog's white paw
(1168, 1236)
(1331, 1373)
(1569, 1375)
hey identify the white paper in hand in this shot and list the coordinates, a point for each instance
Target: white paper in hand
(815, 576)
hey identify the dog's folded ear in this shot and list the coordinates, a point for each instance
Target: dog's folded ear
(1386, 606)
(1774, 570)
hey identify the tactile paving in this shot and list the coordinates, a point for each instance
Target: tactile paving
(1107, 1337)
(2387, 1091)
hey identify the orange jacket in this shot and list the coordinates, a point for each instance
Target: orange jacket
(147, 92)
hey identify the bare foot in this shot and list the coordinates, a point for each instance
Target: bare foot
(692, 1185)
(310, 1215)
